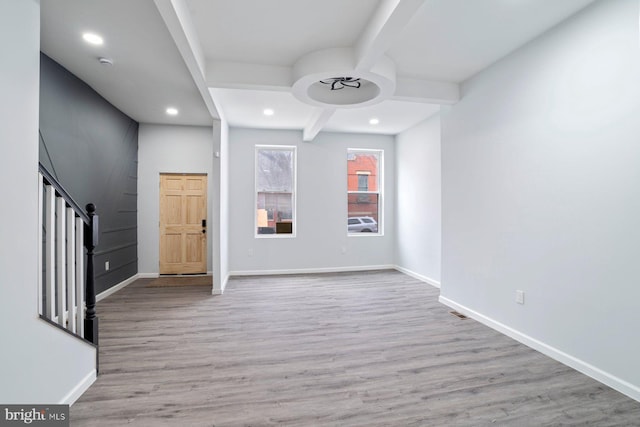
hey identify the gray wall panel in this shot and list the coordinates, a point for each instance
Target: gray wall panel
(91, 147)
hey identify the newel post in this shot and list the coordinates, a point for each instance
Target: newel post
(90, 242)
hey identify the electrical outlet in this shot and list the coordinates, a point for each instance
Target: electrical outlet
(106, 266)
(250, 252)
(520, 297)
(344, 249)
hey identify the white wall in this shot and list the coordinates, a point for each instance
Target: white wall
(214, 224)
(38, 363)
(321, 205)
(172, 149)
(540, 176)
(224, 205)
(418, 219)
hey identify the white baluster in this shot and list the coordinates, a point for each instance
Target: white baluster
(50, 252)
(40, 254)
(80, 300)
(61, 260)
(71, 269)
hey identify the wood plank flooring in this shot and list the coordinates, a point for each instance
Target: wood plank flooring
(349, 349)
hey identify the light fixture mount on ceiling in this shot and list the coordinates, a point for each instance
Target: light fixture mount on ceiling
(320, 76)
(338, 83)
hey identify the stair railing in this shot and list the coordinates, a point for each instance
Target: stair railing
(67, 296)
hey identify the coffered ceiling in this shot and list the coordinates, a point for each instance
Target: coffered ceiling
(234, 59)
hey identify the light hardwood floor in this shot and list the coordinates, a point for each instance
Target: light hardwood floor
(351, 349)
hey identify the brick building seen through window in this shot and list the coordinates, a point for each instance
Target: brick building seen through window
(363, 184)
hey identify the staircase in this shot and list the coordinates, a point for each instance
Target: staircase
(66, 286)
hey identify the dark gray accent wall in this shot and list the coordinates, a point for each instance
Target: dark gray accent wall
(91, 148)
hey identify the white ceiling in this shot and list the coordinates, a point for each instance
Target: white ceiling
(240, 55)
(276, 32)
(451, 40)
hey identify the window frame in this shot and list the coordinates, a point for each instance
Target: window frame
(379, 192)
(294, 207)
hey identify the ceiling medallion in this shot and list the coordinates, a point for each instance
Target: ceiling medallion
(319, 78)
(338, 83)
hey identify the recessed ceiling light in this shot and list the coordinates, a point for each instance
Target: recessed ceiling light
(268, 112)
(92, 38)
(374, 121)
(172, 111)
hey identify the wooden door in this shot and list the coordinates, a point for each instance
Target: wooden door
(183, 214)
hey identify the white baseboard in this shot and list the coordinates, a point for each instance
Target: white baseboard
(310, 270)
(79, 389)
(579, 365)
(420, 277)
(112, 290)
(148, 275)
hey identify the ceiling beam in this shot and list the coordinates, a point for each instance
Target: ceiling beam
(320, 118)
(386, 25)
(427, 91)
(177, 18)
(239, 75)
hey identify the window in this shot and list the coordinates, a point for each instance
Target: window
(363, 181)
(364, 194)
(275, 190)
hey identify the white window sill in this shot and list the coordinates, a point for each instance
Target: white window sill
(275, 236)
